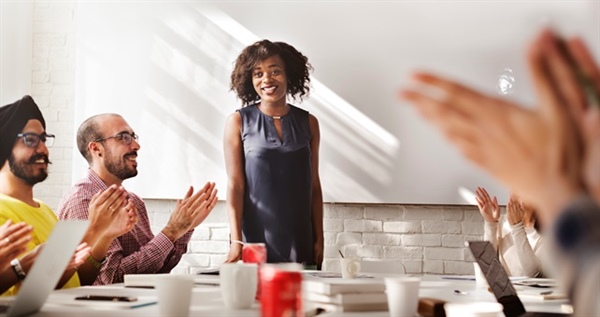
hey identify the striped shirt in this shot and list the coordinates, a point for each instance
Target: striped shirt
(138, 251)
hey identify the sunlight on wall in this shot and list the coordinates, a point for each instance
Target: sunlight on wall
(467, 195)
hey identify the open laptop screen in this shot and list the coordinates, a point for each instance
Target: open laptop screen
(487, 258)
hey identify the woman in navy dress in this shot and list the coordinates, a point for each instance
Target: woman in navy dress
(272, 158)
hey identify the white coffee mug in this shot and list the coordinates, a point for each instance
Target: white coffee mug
(174, 294)
(238, 284)
(350, 267)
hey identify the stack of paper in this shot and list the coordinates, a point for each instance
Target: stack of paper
(148, 280)
(337, 294)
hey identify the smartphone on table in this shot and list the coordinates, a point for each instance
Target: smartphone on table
(107, 298)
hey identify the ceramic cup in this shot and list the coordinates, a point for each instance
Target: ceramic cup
(238, 284)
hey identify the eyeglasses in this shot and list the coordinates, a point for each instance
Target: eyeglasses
(125, 137)
(32, 140)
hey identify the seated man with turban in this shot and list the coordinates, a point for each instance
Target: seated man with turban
(24, 160)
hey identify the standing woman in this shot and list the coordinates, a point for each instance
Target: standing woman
(272, 158)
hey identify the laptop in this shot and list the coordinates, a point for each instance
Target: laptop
(47, 269)
(496, 276)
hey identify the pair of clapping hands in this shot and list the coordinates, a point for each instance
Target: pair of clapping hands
(516, 209)
(114, 214)
(14, 238)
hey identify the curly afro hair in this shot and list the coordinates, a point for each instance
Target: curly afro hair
(297, 69)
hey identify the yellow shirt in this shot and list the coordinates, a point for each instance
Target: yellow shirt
(41, 218)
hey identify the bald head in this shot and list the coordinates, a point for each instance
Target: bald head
(89, 131)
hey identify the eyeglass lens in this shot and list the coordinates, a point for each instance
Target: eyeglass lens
(128, 138)
(33, 140)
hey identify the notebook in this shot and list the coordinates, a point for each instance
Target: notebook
(333, 286)
(47, 268)
(496, 276)
(147, 280)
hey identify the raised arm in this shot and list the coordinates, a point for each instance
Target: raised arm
(490, 211)
(530, 264)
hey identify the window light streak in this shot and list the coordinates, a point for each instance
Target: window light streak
(339, 180)
(175, 111)
(188, 73)
(206, 40)
(334, 130)
(467, 195)
(378, 135)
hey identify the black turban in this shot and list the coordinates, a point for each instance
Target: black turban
(13, 118)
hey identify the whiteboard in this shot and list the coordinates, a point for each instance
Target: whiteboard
(165, 67)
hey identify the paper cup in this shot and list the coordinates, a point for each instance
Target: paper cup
(402, 295)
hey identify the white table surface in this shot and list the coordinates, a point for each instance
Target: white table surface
(206, 300)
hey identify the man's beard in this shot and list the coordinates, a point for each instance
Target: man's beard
(118, 166)
(25, 170)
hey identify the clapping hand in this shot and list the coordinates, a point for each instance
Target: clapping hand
(488, 208)
(124, 220)
(104, 207)
(13, 241)
(514, 210)
(191, 211)
(81, 253)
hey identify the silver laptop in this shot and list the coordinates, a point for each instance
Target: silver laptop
(47, 268)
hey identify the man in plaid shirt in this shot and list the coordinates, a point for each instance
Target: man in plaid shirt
(110, 147)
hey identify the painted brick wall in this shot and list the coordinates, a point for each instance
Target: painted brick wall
(53, 89)
(427, 239)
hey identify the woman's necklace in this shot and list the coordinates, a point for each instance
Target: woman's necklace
(287, 109)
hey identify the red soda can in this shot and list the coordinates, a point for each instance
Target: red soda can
(255, 253)
(281, 294)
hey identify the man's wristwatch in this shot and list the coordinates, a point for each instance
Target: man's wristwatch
(18, 269)
(95, 263)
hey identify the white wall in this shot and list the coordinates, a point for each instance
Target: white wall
(53, 88)
(15, 50)
(165, 66)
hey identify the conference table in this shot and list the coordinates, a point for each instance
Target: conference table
(206, 299)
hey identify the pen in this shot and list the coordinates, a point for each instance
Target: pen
(458, 292)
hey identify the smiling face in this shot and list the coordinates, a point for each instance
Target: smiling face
(118, 157)
(30, 164)
(270, 81)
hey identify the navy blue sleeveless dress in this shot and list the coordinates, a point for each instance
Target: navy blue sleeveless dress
(278, 195)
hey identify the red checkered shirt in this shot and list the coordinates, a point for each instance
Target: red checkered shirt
(138, 251)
